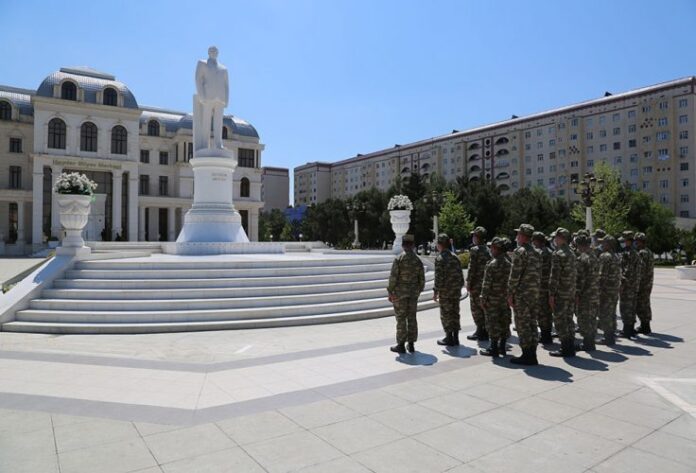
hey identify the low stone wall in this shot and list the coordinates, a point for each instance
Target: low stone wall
(686, 272)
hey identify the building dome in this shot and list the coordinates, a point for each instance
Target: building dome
(90, 81)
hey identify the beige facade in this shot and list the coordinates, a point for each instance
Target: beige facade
(648, 134)
(84, 120)
(275, 188)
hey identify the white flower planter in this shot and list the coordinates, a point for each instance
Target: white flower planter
(400, 221)
(74, 212)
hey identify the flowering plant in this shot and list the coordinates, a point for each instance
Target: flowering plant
(400, 202)
(74, 183)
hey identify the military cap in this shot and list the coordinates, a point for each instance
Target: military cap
(582, 240)
(539, 236)
(627, 235)
(584, 232)
(408, 238)
(640, 236)
(562, 232)
(608, 239)
(498, 241)
(479, 231)
(620, 239)
(443, 239)
(599, 233)
(525, 229)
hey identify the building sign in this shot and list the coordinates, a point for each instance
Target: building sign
(87, 165)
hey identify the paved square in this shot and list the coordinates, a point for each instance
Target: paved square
(333, 398)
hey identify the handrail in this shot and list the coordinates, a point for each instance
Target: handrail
(7, 285)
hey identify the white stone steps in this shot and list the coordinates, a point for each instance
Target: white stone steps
(162, 273)
(121, 316)
(46, 303)
(200, 325)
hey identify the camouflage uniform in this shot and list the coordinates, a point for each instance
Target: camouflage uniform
(448, 287)
(544, 317)
(643, 309)
(478, 257)
(494, 292)
(406, 282)
(523, 286)
(562, 288)
(587, 293)
(631, 266)
(609, 282)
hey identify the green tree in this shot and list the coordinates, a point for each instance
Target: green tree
(482, 200)
(286, 234)
(327, 222)
(687, 243)
(534, 206)
(454, 220)
(271, 223)
(611, 206)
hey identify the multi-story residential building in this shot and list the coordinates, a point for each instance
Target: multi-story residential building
(648, 134)
(83, 120)
(275, 188)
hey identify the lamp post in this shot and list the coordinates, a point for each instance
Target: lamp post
(587, 189)
(434, 200)
(354, 208)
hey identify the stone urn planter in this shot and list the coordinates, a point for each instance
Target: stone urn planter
(400, 221)
(74, 213)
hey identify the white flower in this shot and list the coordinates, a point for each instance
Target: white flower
(74, 183)
(400, 202)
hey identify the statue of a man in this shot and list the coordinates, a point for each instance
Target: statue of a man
(212, 93)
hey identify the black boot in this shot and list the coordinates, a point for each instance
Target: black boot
(645, 328)
(447, 341)
(546, 337)
(492, 349)
(628, 331)
(609, 339)
(483, 336)
(455, 338)
(588, 343)
(399, 348)
(567, 349)
(475, 335)
(528, 357)
(411, 347)
(503, 346)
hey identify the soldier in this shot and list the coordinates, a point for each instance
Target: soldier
(544, 317)
(406, 282)
(631, 265)
(647, 273)
(493, 297)
(478, 257)
(447, 290)
(587, 292)
(597, 241)
(562, 292)
(523, 294)
(609, 282)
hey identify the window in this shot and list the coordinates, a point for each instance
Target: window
(616, 117)
(646, 185)
(631, 143)
(634, 172)
(684, 198)
(164, 158)
(616, 131)
(56, 133)
(552, 155)
(561, 126)
(246, 158)
(647, 169)
(634, 158)
(685, 182)
(631, 128)
(119, 140)
(68, 91)
(664, 183)
(573, 164)
(540, 144)
(225, 134)
(527, 134)
(552, 142)
(684, 213)
(662, 121)
(684, 135)
(527, 159)
(602, 133)
(153, 128)
(244, 188)
(110, 97)
(590, 149)
(527, 146)
(588, 122)
(602, 120)
(617, 145)
(683, 119)
(602, 148)
(647, 155)
(663, 154)
(540, 170)
(528, 171)
(664, 105)
(145, 156)
(647, 139)
(589, 135)
(540, 157)
(683, 103)
(573, 136)
(552, 168)
(574, 122)
(631, 114)
(15, 177)
(144, 184)
(163, 185)
(5, 110)
(684, 166)
(646, 108)
(590, 163)
(618, 160)
(539, 132)
(189, 154)
(15, 145)
(662, 135)
(683, 151)
(88, 137)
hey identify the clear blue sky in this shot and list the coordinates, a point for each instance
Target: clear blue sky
(324, 80)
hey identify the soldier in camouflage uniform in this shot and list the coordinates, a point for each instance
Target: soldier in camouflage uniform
(597, 241)
(562, 292)
(631, 266)
(587, 292)
(523, 294)
(406, 282)
(447, 290)
(478, 257)
(609, 282)
(643, 309)
(544, 317)
(493, 297)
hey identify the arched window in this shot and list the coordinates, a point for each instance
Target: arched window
(244, 188)
(224, 133)
(56, 134)
(68, 91)
(110, 97)
(153, 128)
(5, 110)
(88, 137)
(119, 140)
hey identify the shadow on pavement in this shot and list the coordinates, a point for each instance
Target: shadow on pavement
(460, 352)
(608, 356)
(632, 350)
(666, 337)
(653, 342)
(543, 372)
(417, 359)
(586, 364)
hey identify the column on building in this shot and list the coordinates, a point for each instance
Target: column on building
(37, 204)
(20, 222)
(171, 223)
(142, 211)
(55, 217)
(116, 202)
(134, 226)
(254, 224)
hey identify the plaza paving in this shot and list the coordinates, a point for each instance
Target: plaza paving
(332, 398)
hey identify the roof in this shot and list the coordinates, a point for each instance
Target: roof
(88, 79)
(20, 98)
(174, 121)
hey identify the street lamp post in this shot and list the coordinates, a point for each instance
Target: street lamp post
(434, 200)
(587, 189)
(354, 208)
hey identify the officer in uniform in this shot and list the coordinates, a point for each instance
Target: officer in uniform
(406, 282)
(478, 257)
(544, 317)
(447, 290)
(631, 266)
(609, 283)
(523, 294)
(587, 292)
(643, 309)
(597, 241)
(493, 297)
(562, 292)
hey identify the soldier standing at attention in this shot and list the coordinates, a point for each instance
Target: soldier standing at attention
(562, 292)
(478, 257)
(597, 241)
(406, 282)
(587, 292)
(544, 317)
(447, 290)
(493, 297)
(630, 278)
(523, 294)
(647, 274)
(609, 282)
